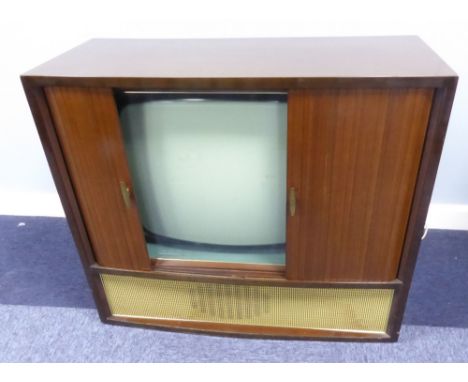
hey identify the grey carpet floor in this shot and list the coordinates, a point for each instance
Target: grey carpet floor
(47, 315)
(49, 334)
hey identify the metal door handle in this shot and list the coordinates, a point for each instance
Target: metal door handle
(126, 194)
(292, 201)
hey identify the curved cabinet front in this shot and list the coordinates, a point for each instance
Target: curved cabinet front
(250, 309)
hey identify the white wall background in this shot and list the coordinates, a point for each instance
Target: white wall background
(34, 31)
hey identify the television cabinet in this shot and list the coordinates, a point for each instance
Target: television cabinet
(257, 187)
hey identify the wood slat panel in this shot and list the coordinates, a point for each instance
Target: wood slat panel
(88, 128)
(353, 157)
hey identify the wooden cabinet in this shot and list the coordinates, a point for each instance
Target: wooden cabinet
(364, 136)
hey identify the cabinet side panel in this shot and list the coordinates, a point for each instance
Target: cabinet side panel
(88, 128)
(354, 170)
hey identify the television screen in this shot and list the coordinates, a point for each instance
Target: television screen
(209, 173)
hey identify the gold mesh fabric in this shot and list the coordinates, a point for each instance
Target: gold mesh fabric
(340, 309)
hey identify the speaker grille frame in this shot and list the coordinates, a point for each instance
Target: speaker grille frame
(354, 310)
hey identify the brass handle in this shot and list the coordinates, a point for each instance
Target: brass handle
(292, 201)
(126, 194)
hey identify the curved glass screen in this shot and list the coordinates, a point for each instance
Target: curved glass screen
(209, 173)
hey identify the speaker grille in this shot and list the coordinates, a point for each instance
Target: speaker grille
(340, 309)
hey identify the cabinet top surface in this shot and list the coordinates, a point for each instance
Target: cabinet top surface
(322, 57)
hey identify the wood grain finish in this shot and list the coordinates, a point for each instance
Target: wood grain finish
(45, 127)
(219, 268)
(353, 160)
(87, 125)
(236, 278)
(247, 64)
(440, 114)
(249, 330)
(247, 59)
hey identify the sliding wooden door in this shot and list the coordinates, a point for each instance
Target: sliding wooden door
(353, 158)
(88, 128)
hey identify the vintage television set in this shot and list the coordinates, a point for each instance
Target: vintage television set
(266, 187)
